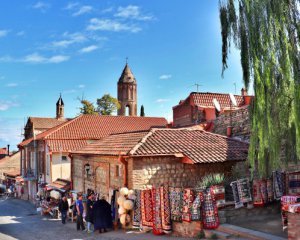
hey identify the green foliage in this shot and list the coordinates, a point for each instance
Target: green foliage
(201, 235)
(214, 236)
(87, 107)
(107, 105)
(267, 33)
(142, 113)
(210, 180)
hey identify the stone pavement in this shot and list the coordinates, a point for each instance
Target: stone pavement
(19, 220)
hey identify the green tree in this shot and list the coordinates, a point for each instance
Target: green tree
(87, 107)
(267, 33)
(142, 113)
(107, 104)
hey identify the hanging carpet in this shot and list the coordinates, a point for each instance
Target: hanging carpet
(209, 210)
(219, 192)
(277, 184)
(293, 183)
(188, 199)
(157, 222)
(244, 190)
(137, 210)
(195, 210)
(146, 208)
(165, 210)
(236, 197)
(176, 202)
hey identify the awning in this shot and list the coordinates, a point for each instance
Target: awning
(12, 174)
(60, 185)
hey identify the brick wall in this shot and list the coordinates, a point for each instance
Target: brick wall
(240, 123)
(183, 115)
(169, 170)
(107, 167)
(293, 226)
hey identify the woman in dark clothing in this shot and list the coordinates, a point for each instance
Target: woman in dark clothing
(102, 215)
(89, 212)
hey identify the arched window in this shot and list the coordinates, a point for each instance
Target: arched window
(127, 110)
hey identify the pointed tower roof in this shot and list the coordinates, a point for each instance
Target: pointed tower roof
(127, 76)
(60, 101)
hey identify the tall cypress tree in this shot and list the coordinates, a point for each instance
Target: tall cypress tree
(142, 113)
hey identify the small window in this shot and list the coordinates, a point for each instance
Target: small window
(64, 158)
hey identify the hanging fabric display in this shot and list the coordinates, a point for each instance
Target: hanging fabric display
(165, 210)
(270, 191)
(219, 192)
(263, 191)
(156, 204)
(244, 190)
(146, 208)
(176, 198)
(257, 197)
(137, 210)
(286, 201)
(209, 210)
(188, 199)
(236, 197)
(195, 211)
(293, 183)
(277, 184)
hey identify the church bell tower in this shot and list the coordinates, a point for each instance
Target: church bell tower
(60, 108)
(127, 93)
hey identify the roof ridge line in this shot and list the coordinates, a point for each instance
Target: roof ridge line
(141, 142)
(62, 125)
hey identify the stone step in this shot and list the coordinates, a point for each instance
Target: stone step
(215, 234)
(247, 233)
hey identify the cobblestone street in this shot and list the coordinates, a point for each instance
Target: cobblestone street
(19, 220)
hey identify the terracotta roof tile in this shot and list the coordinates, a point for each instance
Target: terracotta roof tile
(198, 145)
(73, 134)
(46, 123)
(3, 151)
(118, 144)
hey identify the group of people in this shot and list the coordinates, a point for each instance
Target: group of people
(97, 212)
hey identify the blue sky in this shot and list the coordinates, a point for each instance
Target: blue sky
(79, 49)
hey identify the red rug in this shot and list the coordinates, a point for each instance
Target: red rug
(209, 210)
(165, 210)
(219, 192)
(188, 199)
(146, 208)
(156, 203)
(257, 197)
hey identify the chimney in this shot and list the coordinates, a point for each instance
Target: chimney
(229, 131)
(7, 149)
(244, 92)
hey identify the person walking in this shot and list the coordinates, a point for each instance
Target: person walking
(89, 213)
(102, 215)
(79, 208)
(63, 208)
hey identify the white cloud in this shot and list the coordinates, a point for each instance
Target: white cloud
(81, 86)
(88, 49)
(107, 10)
(3, 33)
(165, 76)
(37, 58)
(161, 100)
(12, 85)
(41, 6)
(6, 58)
(83, 10)
(71, 5)
(5, 105)
(70, 38)
(111, 25)
(20, 33)
(133, 12)
(70, 91)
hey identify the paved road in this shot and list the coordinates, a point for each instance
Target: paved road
(19, 220)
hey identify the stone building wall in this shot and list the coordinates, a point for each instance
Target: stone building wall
(240, 123)
(106, 172)
(153, 171)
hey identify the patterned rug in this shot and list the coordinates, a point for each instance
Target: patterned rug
(293, 183)
(188, 199)
(146, 208)
(209, 210)
(257, 196)
(285, 202)
(137, 210)
(176, 201)
(244, 190)
(195, 210)
(270, 191)
(165, 210)
(277, 184)
(236, 196)
(157, 223)
(219, 192)
(263, 191)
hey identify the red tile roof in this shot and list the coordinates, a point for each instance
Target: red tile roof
(118, 144)
(198, 145)
(46, 123)
(205, 99)
(74, 134)
(3, 151)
